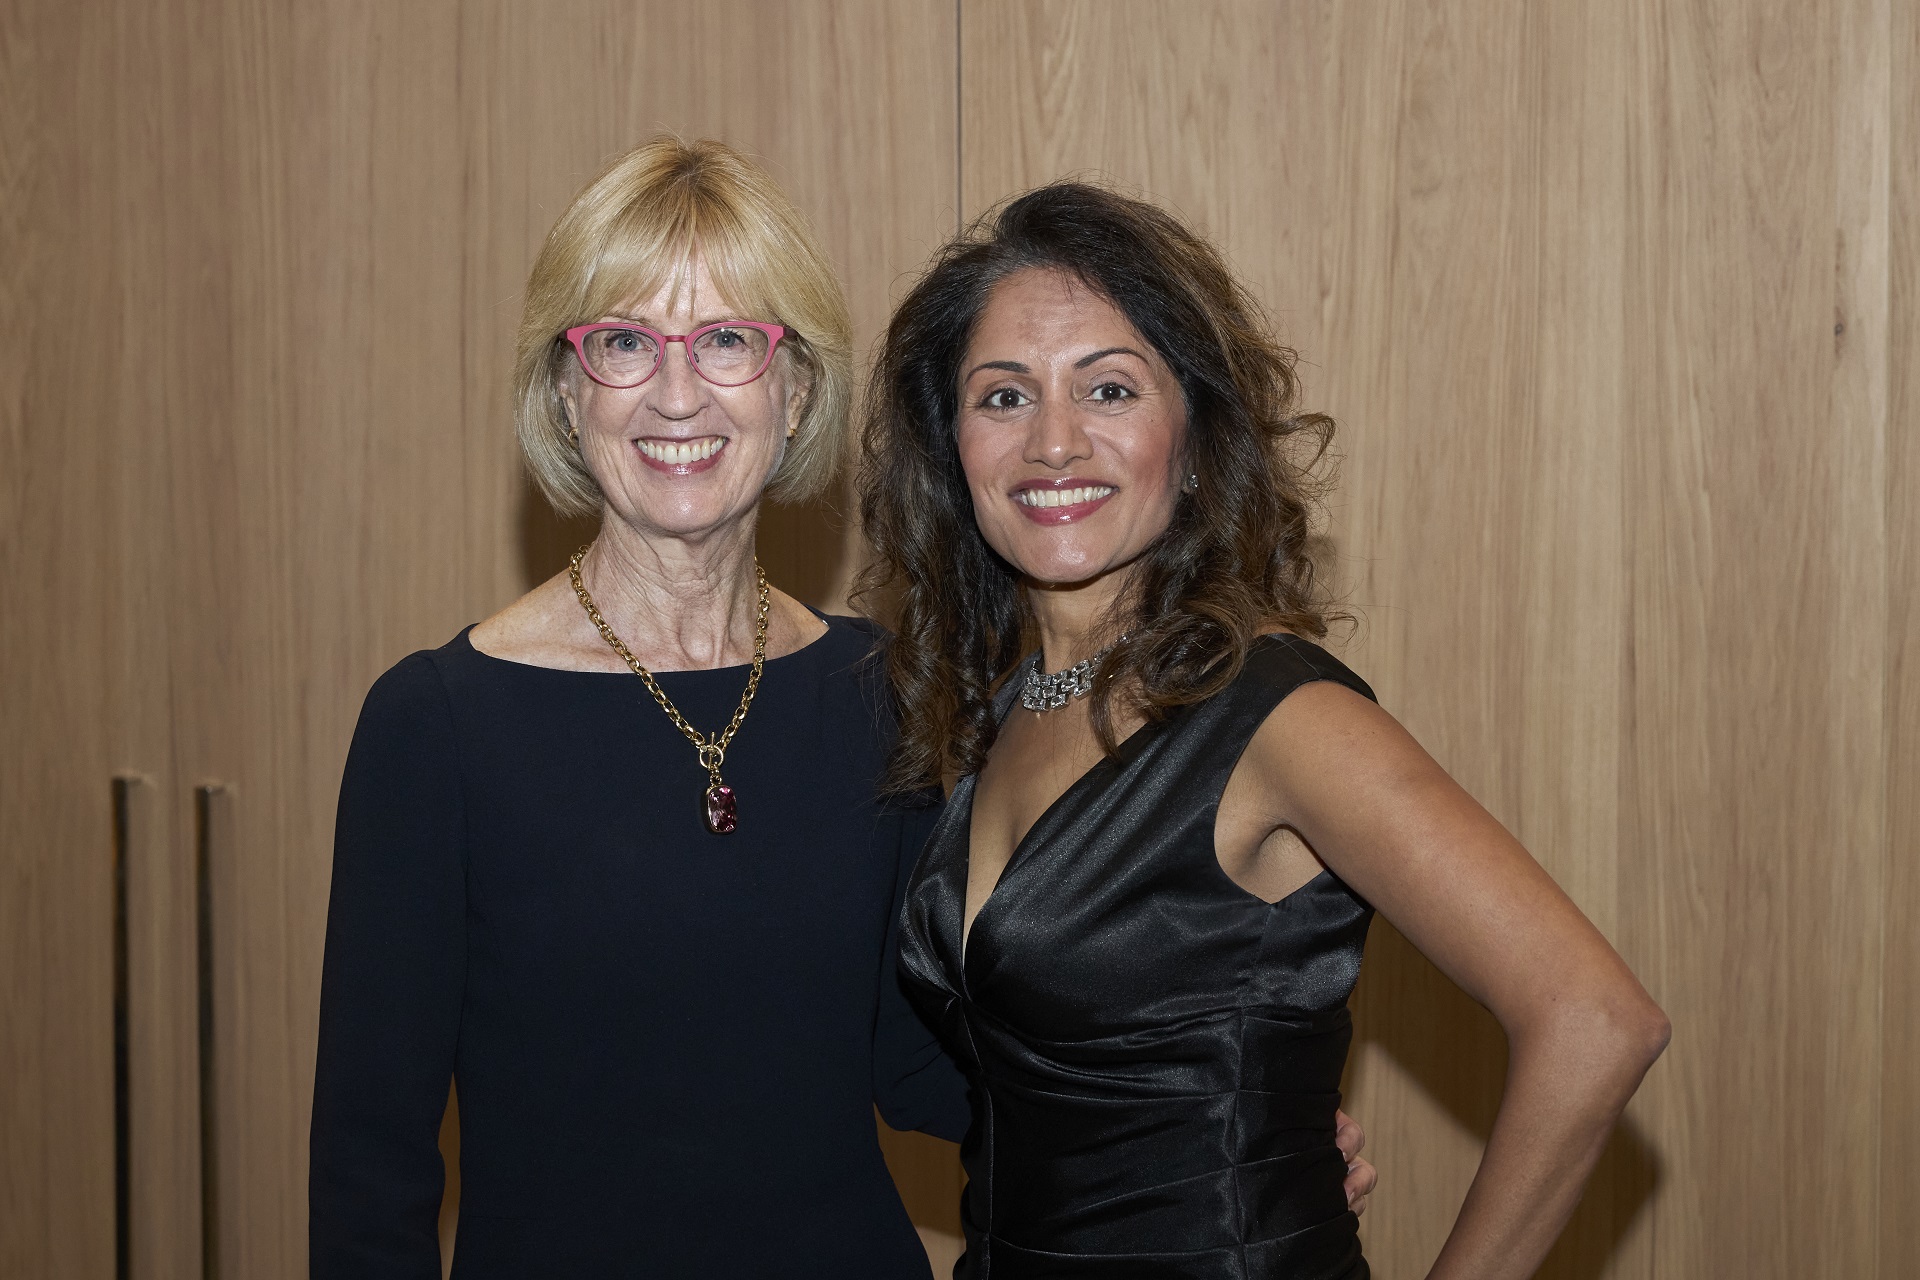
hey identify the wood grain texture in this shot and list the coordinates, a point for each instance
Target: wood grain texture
(83, 648)
(1759, 604)
(1615, 515)
(1898, 1165)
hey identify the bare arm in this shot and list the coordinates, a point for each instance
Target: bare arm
(1582, 1032)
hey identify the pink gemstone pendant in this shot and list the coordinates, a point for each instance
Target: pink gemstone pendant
(722, 814)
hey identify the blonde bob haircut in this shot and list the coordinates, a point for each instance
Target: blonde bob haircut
(636, 227)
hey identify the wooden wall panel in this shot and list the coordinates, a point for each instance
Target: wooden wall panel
(84, 647)
(1614, 513)
(1898, 1167)
(56, 1032)
(1755, 434)
(317, 480)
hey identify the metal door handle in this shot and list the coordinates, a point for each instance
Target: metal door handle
(125, 790)
(210, 803)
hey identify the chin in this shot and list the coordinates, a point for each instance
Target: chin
(1057, 571)
(1067, 555)
(689, 517)
(692, 524)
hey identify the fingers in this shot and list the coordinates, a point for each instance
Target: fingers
(1361, 1176)
(1361, 1180)
(1348, 1136)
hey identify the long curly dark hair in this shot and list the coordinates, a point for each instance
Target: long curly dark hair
(1234, 561)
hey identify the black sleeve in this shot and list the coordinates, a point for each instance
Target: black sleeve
(390, 990)
(915, 1085)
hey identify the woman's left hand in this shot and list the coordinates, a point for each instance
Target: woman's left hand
(1361, 1176)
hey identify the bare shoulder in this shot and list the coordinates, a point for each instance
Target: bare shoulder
(1312, 754)
(1327, 743)
(545, 628)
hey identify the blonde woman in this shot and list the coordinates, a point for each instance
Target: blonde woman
(613, 859)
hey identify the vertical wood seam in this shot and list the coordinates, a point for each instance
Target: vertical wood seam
(959, 118)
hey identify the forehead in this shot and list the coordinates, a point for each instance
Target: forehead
(670, 280)
(1046, 309)
(682, 290)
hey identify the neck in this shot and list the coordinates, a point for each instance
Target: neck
(680, 605)
(1074, 622)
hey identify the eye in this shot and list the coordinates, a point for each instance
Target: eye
(1111, 393)
(725, 338)
(624, 340)
(1003, 398)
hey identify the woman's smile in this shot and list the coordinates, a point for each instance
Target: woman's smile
(676, 457)
(1061, 501)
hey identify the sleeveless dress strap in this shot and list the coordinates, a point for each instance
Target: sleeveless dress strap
(1276, 665)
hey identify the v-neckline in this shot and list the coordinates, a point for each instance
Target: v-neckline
(1122, 754)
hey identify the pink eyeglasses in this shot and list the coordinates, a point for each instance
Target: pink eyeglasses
(729, 354)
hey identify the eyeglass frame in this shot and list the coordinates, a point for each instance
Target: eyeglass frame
(576, 337)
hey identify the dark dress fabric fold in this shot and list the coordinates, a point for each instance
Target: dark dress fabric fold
(668, 1044)
(1155, 1052)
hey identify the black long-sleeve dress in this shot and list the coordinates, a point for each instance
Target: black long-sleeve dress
(668, 1044)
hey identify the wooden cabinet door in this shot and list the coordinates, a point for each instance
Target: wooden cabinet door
(98, 1138)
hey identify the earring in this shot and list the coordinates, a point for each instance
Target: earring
(573, 436)
(792, 432)
(1192, 483)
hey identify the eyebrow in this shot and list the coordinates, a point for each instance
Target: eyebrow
(1084, 361)
(621, 318)
(1011, 366)
(1014, 366)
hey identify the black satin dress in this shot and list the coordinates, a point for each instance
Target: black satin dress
(1155, 1053)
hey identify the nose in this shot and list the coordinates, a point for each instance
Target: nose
(1055, 437)
(678, 392)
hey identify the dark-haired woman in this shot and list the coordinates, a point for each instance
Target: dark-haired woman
(1140, 917)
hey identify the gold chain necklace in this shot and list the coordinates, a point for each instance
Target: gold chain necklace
(720, 810)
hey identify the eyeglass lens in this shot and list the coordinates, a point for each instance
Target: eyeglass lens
(723, 355)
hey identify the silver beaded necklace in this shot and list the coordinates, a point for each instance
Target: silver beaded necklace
(1049, 691)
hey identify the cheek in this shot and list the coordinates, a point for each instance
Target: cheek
(1154, 467)
(760, 415)
(976, 456)
(1172, 455)
(598, 412)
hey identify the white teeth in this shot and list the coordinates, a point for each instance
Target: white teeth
(1062, 497)
(672, 453)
